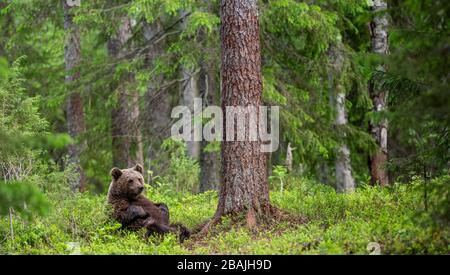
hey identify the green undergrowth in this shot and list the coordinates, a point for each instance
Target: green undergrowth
(392, 219)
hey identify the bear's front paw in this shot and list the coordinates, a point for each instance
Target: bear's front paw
(164, 209)
(137, 211)
(149, 222)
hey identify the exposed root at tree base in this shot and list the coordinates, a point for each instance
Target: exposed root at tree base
(250, 219)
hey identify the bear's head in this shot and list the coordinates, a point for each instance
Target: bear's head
(127, 183)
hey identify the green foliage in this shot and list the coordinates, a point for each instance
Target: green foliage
(25, 198)
(201, 20)
(182, 173)
(394, 218)
(23, 139)
(19, 114)
(19, 121)
(439, 200)
(301, 24)
(279, 173)
(297, 36)
(418, 83)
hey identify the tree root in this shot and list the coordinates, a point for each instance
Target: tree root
(210, 224)
(252, 220)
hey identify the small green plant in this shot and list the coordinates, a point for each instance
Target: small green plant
(182, 173)
(279, 173)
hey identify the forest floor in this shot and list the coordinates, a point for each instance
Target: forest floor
(391, 219)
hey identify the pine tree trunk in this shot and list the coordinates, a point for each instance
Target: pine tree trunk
(209, 160)
(75, 113)
(157, 106)
(126, 135)
(344, 178)
(244, 176)
(378, 161)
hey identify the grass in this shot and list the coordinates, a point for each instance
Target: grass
(393, 218)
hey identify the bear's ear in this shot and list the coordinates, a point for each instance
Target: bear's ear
(116, 173)
(139, 168)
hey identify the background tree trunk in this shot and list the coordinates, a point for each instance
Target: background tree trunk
(378, 161)
(289, 157)
(189, 91)
(244, 186)
(210, 90)
(126, 135)
(209, 160)
(157, 103)
(75, 113)
(344, 178)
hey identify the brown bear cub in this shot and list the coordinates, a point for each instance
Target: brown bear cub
(133, 210)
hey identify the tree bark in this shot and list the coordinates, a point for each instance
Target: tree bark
(75, 113)
(157, 106)
(344, 178)
(244, 186)
(378, 161)
(126, 134)
(190, 91)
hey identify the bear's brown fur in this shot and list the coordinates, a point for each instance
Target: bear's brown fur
(133, 210)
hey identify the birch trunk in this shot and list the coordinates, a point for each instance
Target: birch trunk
(344, 178)
(289, 157)
(378, 161)
(75, 113)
